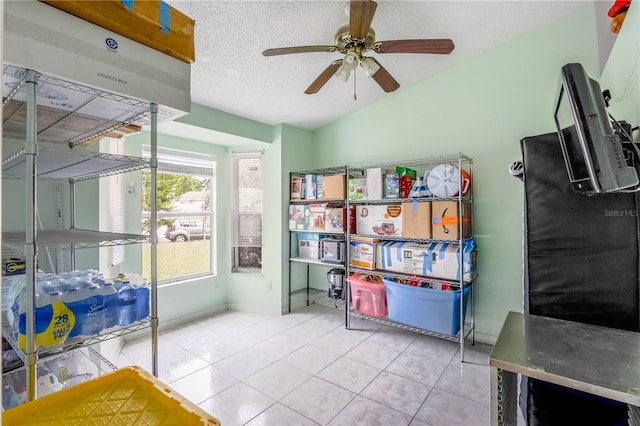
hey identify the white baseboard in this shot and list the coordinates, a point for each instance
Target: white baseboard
(486, 338)
(254, 309)
(163, 325)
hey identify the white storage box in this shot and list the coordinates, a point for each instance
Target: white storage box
(309, 245)
(383, 220)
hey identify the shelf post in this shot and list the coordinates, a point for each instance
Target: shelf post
(30, 249)
(153, 235)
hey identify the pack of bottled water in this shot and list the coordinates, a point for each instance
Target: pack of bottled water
(76, 305)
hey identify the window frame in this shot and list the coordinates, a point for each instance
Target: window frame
(234, 213)
(189, 163)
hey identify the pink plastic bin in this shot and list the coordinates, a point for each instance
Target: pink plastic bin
(369, 299)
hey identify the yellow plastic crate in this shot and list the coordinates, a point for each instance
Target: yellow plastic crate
(128, 396)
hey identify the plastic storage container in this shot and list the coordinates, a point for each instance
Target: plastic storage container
(368, 298)
(126, 396)
(425, 308)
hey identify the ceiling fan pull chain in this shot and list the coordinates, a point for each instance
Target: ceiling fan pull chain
(355, 97)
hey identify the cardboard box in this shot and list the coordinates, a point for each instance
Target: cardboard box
(335, 219)
(357, 190)
(407, 178)
(298, 217)
(316, 217)
(151, 22)
(374, 183)
(379, 220)
(332, 250)
(436, 259)
(311, 189)
(445, 221)
(309, 245)
(416, 220)
(319, 187)
(333, 187)
(362, 252)
(297, 188)
(391, 185)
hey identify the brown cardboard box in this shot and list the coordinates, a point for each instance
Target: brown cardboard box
(333, 187)
(150, 22)
(445, 222)
(416, 220)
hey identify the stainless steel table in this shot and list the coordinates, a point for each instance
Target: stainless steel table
(598, 360)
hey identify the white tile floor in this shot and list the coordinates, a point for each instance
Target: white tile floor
(305, 368)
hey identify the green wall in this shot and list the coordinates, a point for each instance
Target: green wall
(482, 108)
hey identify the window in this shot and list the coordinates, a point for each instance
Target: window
(246, 212)
(186, 215)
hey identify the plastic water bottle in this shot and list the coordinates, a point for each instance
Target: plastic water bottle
(142, 301)
(109, 301)
(73, 297)
(92, 309)
(127, 304)
(53, 319)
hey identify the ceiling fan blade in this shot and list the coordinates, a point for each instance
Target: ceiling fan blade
(298, 49)
(360, 17)
(384, 79)
(323, 77)
(434, 45)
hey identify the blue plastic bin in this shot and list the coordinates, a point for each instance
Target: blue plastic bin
(425, 308)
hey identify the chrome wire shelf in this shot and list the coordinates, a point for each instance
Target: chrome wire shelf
(395, 238)
(465, 198)
(316, 262)
(327, 171)
(313, 231)
(468, 328)
(73, 238)
(319, 297)
(7, 333)
(73, 114)
(416, 163)
(56, 163)
(452, 283)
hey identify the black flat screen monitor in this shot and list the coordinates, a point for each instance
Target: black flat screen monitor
(592, 151)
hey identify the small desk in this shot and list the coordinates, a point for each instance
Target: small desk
(598, 360)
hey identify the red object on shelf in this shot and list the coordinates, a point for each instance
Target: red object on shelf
(618, 6)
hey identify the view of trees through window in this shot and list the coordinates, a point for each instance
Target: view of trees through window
(184, 225)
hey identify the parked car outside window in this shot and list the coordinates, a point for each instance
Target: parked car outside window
(182, 230)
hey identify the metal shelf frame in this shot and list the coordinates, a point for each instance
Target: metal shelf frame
(74, 166)
(462, 162)
(308, 291)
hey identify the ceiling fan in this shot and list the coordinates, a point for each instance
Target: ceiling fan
(357, 38)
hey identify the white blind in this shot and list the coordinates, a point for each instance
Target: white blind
(182, 162)
(246, 200)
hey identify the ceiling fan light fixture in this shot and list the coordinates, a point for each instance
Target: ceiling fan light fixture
(349, 63)
(369, 66)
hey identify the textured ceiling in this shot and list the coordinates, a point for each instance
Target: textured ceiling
(231, 74)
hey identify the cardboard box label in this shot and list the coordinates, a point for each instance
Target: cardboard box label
(317, 216)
